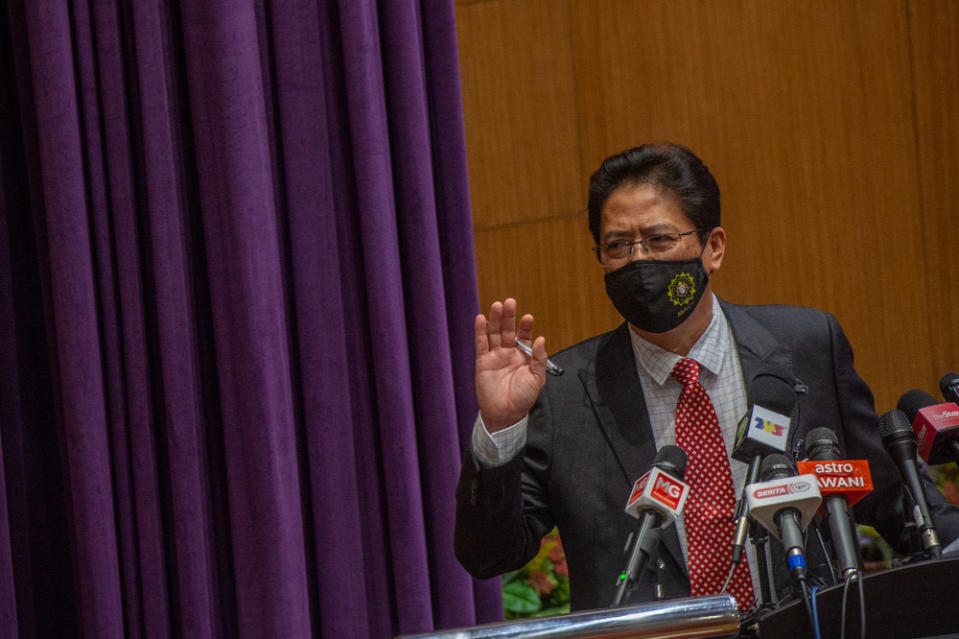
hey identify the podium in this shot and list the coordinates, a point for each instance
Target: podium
(690, 617)
(915, 601)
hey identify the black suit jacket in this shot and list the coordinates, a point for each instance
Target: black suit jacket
(589, 439)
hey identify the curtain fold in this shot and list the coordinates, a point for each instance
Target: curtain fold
(236, 320)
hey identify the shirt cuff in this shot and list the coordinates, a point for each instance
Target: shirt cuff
(497, 449)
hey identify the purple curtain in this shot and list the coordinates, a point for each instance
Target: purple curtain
(236, 298)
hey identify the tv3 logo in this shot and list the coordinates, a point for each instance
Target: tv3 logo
(770, 427)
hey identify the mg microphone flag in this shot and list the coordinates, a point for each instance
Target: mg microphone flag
(660, 491)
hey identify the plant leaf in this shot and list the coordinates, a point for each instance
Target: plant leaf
(520, 597)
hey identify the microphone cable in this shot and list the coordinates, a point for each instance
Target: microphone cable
(806, 596)
(825, 553)
(729, 576)
(815, 613)
(862, 606)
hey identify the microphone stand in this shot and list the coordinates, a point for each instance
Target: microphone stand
(643, 551)
(916, 551)
(741, 515)
(759, 537)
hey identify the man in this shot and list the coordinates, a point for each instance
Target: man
(565, 451)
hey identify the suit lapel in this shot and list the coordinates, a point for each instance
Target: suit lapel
(760, 354)
(617, 400)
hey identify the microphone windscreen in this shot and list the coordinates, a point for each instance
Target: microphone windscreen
(893, 426)
(948, 381)
(912, 400)
(822, 444)
(773, 393)
(672, 459)
(776, 466)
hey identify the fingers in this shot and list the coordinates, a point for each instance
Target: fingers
(479, 335)
(525, 331)
(501, 327)
(537, 362)
(494, 324)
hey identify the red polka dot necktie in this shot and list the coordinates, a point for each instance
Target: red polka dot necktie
(708, 514)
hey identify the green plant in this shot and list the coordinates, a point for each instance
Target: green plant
(879, 555)
(946, 477)
(541, 587)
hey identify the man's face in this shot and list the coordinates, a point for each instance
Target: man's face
(637, 212)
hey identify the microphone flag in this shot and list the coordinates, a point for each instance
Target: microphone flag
(847, 477)
(934, 426)
(658, 490)
(800, 492)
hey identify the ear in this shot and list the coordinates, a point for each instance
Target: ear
(714, 250)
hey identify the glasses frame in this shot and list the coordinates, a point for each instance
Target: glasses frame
(630, 245)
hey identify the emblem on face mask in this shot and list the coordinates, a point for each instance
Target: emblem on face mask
(682, 289)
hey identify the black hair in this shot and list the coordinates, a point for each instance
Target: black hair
(666, 165)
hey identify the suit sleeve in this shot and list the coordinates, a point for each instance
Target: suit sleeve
(502, 512)
(884, 508)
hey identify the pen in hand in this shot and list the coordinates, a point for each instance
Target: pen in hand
(551, 368)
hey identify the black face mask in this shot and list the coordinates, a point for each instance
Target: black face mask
(657, 295)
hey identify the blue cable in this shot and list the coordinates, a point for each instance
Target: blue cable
(815, 613)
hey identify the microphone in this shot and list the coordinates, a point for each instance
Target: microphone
(657, 499)
(935, 425)
(837, 478)
(949, 386)
(784, 503)
(900, 443)
(763, 430)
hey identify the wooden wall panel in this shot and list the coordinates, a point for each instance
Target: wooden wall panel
(804, 110)
(527, 185)
(521, 123)
(935, 54)
(550, 269)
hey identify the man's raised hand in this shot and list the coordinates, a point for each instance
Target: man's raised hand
(507, 381)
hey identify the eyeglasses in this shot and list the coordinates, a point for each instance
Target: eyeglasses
(658, 244)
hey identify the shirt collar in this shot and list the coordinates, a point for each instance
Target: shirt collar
(709, 350)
